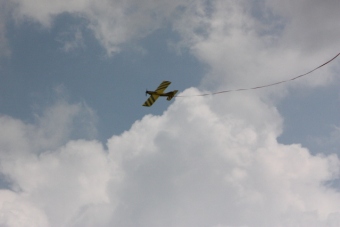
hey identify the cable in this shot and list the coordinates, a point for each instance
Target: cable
(263, 86)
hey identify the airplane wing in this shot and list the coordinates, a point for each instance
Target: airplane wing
(151, 100)
(163, 86)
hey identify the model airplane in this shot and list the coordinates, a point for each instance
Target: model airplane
(159, 92)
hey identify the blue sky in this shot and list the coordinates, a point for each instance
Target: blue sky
(113, 86)
(78, 148)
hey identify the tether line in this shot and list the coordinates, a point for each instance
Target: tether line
(263, 86)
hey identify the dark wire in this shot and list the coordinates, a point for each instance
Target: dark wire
(263, 86)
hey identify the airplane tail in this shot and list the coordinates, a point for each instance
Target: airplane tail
(172, 95)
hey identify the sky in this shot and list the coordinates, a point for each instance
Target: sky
(77, 148)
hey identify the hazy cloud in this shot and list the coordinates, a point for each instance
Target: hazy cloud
(331, 142)
(241, 52)
(4, 12)
(113, 22)
(71, 40)
(284, 25)
(310, 25)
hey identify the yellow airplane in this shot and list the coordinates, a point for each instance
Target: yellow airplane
(159, 92)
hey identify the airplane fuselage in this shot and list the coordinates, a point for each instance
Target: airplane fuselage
(169, 94)
(160, 94)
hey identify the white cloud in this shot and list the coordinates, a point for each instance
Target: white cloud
(194, 165)
(63, 183)
(203, 168)
(53, 180)
(17, 211)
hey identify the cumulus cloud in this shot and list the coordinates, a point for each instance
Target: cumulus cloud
(61, 184)
(203, 168)
(194, 165)
(17, 211)
(51, 179)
